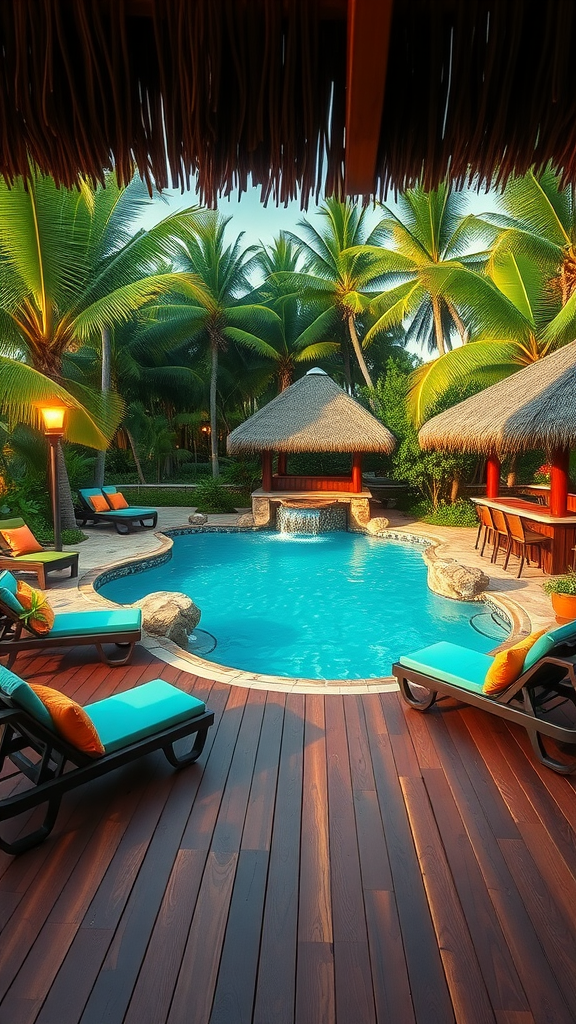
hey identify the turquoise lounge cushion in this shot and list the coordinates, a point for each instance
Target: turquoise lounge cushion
(8, 581)
(21, 694)
(99, 622)
(451, 664)
(7, 598)
(129, 513)
(548, 641)
(128, 717)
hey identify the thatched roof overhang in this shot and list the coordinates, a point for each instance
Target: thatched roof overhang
(312, 415)
(299, 96)
(534, 408)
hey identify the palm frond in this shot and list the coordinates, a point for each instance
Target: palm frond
(484, 362)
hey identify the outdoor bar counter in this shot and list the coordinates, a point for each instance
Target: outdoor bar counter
(558, 555)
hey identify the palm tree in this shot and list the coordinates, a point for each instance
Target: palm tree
(524, 306)
(426, 237)
(339, 268)
(69, 270)
(207, 314)
(295, 316)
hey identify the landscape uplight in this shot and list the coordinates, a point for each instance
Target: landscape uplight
(53, 417)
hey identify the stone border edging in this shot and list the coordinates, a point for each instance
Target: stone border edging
(167, 651)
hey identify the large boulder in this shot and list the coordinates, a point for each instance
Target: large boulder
(197, 519)
(169, 614)
(377, 525)
(448, 578)
(247, 519)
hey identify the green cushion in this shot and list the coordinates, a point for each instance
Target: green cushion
(8, 581)
(9, 601)
(128, 717)
(451, 664)
(21, 694)
(44, 556)
(99, 622)
(548, 641)
(87, 492)
(11, 524)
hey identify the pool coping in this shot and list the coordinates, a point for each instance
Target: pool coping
(169, 652)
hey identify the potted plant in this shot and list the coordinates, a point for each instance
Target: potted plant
(562, 590)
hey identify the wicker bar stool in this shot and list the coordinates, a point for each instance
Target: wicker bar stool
(524, 539)
(501, 533)
(486, 523)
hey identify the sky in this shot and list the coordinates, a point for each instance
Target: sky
(262, 224)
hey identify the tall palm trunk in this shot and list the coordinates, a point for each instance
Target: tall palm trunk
(135, 455)
(213, 411)
(460, 326)
(358, 350)
(67, 517)
(439, 335)
(106, 377)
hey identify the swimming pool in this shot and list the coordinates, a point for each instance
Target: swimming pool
(332, 606)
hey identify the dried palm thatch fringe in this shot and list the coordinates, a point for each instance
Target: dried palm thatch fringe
(534, 408)
(238, 89)
(312, 415)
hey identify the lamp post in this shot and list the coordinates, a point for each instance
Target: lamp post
(53, 418)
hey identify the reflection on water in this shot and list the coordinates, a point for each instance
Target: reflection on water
(329, 606)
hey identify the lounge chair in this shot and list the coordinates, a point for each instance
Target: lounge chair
(548, 679)
(38, 562)
(148, 717)
(121, 627)
(124, 519)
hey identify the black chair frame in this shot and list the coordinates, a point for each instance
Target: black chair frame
(549, 682)
(15, 638)
(59, 767)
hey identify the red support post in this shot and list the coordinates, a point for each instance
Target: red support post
(357, 472)
(266, 471)
(492, 476)
(559, 482)
(282, 463)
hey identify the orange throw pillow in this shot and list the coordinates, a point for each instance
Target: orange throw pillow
(117, 500)
(21, 541)
(38, 615)
(507, 665)
(70, 720)
(98, 502)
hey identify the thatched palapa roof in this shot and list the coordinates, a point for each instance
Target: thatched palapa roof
(534, 408)
(312, 415)
(302, 95)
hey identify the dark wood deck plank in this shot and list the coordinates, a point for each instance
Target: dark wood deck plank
(501, 978)
(545, 1000)
(315, 995)
(467, 987)
(430, 995)
(329, 860)
(276, 990)
(354, 991)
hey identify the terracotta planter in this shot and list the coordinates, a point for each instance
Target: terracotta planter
(565, 606)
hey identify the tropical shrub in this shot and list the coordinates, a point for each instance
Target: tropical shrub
(432, 473)
(211, 497)
(565, 584)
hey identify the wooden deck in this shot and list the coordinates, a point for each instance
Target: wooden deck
(329, 859)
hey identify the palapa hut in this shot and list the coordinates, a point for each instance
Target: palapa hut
(533, 408)
(312, 415)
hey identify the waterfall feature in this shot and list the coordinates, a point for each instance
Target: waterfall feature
(311, 520)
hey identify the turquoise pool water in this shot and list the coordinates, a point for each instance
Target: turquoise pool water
(334, 606)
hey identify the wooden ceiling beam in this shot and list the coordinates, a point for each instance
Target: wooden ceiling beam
(368, 33)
